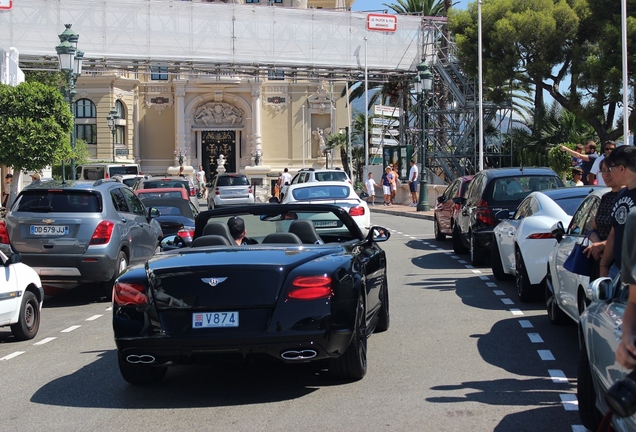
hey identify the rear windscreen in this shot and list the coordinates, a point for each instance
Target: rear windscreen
(58, 202)
(232, 181)
(331, 176)
(321, 192)
(122, 170)
(517, 188)
(165, 184)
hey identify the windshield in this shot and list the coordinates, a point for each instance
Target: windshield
(517, 188)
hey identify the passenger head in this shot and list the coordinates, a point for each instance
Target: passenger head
(237, 228)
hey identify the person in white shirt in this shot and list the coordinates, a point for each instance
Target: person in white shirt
(596, 168)
(413, 173)
(370, 184)
(286, 177)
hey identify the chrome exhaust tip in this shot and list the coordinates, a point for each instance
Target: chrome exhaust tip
(144, 359)
(305, 354)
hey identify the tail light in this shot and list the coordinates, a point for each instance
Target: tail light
(102, 233)
(4, 234)
(217, 191)
(356, 211)
(536, 236)
(129, 294)
(310, 288)
(106, 175)
(186, 234)
(483, 213)
(193, 192)
(249, 190)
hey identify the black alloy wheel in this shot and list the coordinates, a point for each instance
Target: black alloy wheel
(29, 319)
(352, 365)
(555, 314)
(458, 247)
(384, 319)
(591, 417)
(522, 281)
(476, 253)
(496, 264)
(439, 236)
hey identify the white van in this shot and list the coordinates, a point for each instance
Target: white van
(105, 170)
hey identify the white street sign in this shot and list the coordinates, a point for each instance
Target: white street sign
(375, 150)
(383, 131)
(382, 22)
(386, 111)
(6, 4)
(384, 121)
(385, 141)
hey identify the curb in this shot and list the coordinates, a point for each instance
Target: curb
(414, 215)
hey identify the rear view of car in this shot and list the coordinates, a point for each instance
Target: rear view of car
(230, 189)
(169, 182)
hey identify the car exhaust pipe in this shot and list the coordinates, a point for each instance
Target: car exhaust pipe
(144, 358)
(305, 354)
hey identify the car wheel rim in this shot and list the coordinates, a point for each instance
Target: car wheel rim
(29, 315)
(518, 273)
(436, 228)
(362, 335)
(122, 265)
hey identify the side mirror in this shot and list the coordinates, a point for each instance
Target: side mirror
(459, 200)
(502, 214)
(15, 258)
(153, 212)
(601, 289)
(558, 231)
(172, 242)
(440, 199)
(379, 234)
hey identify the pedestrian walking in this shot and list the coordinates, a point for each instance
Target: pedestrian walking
(413, 173)
(370, 185)
(387, 178)
(6, 191)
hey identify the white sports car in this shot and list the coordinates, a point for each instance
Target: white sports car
(21, 296)
(566, 293)
(521, 244)
(339, 193)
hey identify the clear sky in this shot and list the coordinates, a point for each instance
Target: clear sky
(377, 5)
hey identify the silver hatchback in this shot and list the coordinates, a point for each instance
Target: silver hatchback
(230, 189)
(80, 231)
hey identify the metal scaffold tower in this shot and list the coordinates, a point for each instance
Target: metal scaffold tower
(450, 113)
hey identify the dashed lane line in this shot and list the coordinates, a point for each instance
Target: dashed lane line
(558, 376)
(12, 355)
(93, 318)
(70, 329)
(45, 340)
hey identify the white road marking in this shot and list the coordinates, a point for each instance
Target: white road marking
(525, 324)
(476, 271)
(499, 292)
(70, 329)
(93, 318)
(469, 266)
(579, 428)
(484, 278)
(454, 257)
(515, 311)
(10, 356)
(491, 284)
(535, 338)
(462, 261)
(110, 308)
(399, 232)
(570, 402)
(45, 340)
(545, 355)
(448, 253)
(412, 238)
(558, 376)
(507, 301)
(425, 242)
(441, 249)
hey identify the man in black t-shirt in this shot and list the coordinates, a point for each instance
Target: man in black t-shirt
(622, 163)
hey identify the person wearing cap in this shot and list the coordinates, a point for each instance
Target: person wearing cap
(237, 230)
(7, 189)
(577, 177)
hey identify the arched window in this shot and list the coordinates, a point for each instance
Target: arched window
(86, 121)
(120, 134)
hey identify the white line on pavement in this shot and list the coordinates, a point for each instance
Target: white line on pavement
(535, 338)
(476, 271)
(70, 329)
(558, 376)
(515, 311)
(507, 301)
(491, 284)
(498, 292)
(525, 324)
(570, 402)
(93, 318)
(45, 340)
(10, 356)
(545, 355)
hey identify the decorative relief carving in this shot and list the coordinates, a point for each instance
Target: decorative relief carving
(218, 113)
(276, 98)
(159, 103)
(321, 100)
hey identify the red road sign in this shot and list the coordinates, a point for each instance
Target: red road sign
(382, 22)
(6, 4)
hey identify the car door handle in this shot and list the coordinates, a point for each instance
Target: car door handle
(511, 233)
(124, 220)
(618, 333)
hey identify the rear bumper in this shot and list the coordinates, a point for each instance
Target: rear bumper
(484, 238)
(223, 202)
(72, 268)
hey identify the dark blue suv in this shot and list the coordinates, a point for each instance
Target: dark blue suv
(489, 192)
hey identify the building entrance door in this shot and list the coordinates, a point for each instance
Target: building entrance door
(215, 144)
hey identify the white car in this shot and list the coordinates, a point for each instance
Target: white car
(521, 244)
(21, 296)
(308, 175)
(339, 193)
(566, 293)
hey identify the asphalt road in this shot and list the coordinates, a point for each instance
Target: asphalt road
(462, 354)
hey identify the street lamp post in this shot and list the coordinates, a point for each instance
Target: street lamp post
(182, 154)
(426, 83)
(71, 65)
(112, 125)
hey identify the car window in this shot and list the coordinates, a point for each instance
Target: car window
(474, 189)
(583, 217)
(463, 188)
(517, 188)
(123, 170)
(119, 202)
(320, 192)
(331, 176)
(58, 202)
(134, 202)
(526, 208)
(450, 191)
(569, 204)
(154, 184)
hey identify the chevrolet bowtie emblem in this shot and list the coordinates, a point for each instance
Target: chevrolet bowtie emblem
(213, 281)
(48, 221)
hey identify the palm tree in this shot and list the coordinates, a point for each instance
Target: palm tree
(338, 141)
(424, 7)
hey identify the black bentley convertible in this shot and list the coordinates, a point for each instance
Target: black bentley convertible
(305, 286)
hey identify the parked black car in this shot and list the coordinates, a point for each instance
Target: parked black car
(490, 192)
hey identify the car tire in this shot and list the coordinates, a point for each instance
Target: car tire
(458, 247)
(384, 319)
(495, 263)
(29, 319)
(140, 374)
(590, 416)
(555, 314)
(582, 301)
(122, 264)
(352, 364)
(476, 253)
(522, 281)
(439, 236)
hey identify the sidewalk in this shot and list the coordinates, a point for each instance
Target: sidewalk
(402, 210)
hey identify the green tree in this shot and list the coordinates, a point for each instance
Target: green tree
(424, 7)
(35, 127)
(338, 141)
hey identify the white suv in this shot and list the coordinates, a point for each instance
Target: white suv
(308, 175)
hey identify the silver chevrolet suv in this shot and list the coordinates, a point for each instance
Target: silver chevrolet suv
(80, 231)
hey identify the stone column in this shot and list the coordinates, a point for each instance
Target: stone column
(181, 137)
(256, 118)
